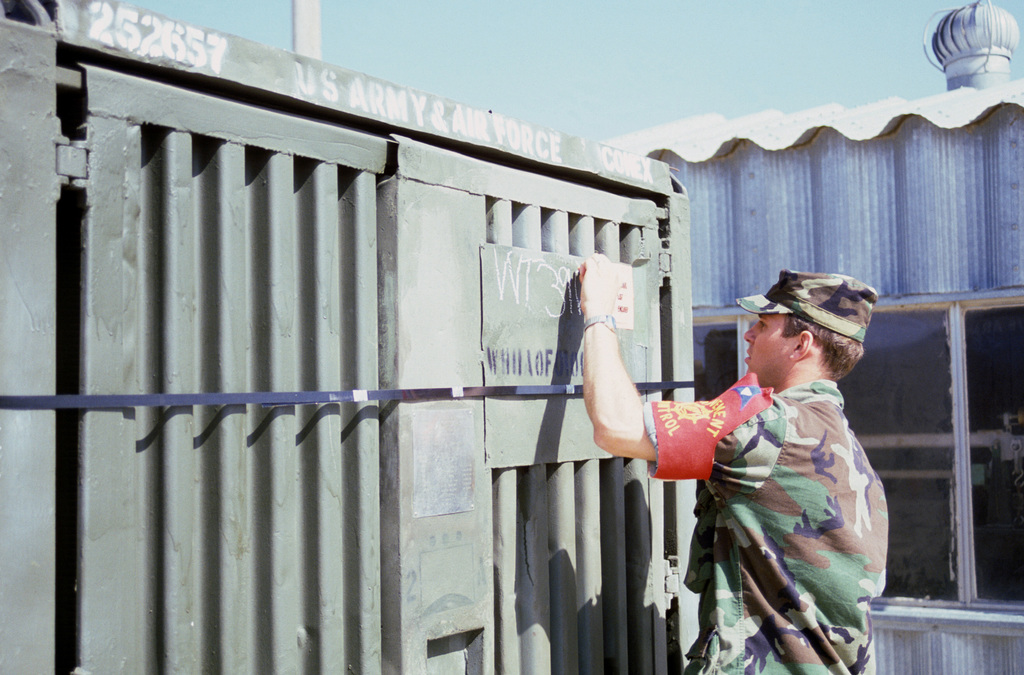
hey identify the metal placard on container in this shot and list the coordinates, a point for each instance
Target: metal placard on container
(442, 446)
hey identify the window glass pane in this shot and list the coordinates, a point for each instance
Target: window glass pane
(995, 395)
(899, 404)
(714, 356)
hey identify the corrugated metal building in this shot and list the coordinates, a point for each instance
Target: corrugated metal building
(922, 199)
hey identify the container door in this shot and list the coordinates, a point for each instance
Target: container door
(225, 248)
(512, 541)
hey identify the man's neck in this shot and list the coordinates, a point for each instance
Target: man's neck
(801, 375)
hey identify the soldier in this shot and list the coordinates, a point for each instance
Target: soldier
(792, 525)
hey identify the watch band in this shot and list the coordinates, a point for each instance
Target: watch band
(606, 319)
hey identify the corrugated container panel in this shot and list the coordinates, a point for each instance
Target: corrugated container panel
(226, 538)
(923, 210)
(30, 333)
(590, 630)
(575, 594)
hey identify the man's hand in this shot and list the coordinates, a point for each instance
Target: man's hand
(610, 397)
(599, 285)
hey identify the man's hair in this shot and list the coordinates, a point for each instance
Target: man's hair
(839, 353)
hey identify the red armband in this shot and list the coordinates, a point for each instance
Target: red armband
(688, 432)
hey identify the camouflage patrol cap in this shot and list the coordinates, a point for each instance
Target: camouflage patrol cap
(835, 301)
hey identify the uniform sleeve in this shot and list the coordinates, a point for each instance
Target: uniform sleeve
(745, 458)
(686, 433)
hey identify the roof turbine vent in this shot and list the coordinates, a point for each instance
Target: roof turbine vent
(974, 44)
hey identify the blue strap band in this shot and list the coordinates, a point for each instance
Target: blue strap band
(286, 398)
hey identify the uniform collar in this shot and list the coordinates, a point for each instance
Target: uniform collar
(811, 392)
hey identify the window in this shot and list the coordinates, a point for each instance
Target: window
(899, 404)
(715, 361)
(995, 395)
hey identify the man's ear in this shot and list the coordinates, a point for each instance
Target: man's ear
(807, 342)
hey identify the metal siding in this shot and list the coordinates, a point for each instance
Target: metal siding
(1004, 197)
(614, 598)
(590, 628)
(678, 362)
(924, 210)
(900, 651)
(360, 492)
(853, 230)
(707, 186)
(110, 510)
(641, 567)
(227, 538)
(533, 588)
(29, 191)
(506, 546)
(979, 653)
(930, 210)
(945, 651)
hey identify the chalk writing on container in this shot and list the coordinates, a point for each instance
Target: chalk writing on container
(518, 274)
(152, 36)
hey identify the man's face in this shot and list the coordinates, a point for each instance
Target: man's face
(768, 352)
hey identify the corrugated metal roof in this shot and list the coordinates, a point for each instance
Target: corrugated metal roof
(695, 139)
(915, 198)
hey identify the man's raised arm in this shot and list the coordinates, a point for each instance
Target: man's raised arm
(613, 404)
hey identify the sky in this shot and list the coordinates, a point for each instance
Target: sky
(602, 69)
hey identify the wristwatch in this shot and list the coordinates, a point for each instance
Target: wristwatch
(606, 319)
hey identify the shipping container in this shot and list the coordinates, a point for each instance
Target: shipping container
(290, 369)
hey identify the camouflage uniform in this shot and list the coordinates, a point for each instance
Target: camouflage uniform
(790, 543)
(792, 525)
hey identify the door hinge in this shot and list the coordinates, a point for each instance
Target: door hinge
(72, 160)
(672, 581)
(665, 263)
